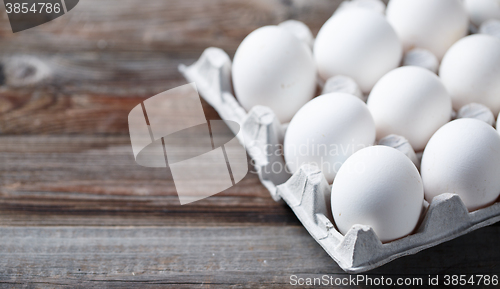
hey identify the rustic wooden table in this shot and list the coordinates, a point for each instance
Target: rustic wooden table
(76, 210)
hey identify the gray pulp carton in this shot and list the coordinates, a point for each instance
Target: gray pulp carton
(307, 191)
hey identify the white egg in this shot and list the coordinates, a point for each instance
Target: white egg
(412, 102)
(326, 131)
(463, 158)
(373, 5)
(380, 187)
(357, 43)
(482, 10)
(470, 70)
(300, 30)
(272, 67)
(430, 24)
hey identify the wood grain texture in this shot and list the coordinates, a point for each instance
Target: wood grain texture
(83, 180)
(55, 111)
(221, 257)
(180, 26)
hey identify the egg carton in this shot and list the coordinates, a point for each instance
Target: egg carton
(307, 191)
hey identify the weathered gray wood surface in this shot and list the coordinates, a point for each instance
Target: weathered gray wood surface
(75, 209)
(187, 257)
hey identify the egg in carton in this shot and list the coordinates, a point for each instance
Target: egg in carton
(308, 193)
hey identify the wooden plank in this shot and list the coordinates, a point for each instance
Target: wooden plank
(247, 257)
(178, 26)
(81, 180)
(55, 111)
(104, 73)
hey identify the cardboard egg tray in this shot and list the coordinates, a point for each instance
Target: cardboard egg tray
(307, 191)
